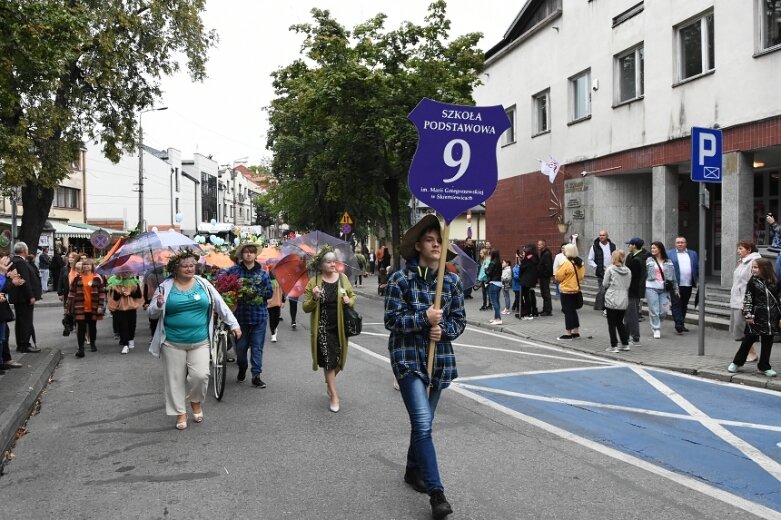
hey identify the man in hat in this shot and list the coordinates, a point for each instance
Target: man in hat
(413, 321)
(251, 315)
(635, 261)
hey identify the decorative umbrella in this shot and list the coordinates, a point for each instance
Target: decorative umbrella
(147, 252)
(291, 270)
(466, 267)
(269, 255)
(218, 259)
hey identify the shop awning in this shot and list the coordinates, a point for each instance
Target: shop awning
(62, 229)
(90, 228)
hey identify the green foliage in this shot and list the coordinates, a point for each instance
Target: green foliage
(264, 210)
(84, 68)
(338, 125)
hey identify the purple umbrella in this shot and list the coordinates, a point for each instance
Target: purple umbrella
(467, 268)
(147, 252)
(309, 244)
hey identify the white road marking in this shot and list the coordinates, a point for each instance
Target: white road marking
(630, 409)
(691, 483)
(534, 372)
(765, 462)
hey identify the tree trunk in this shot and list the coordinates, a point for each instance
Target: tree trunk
(36, 203)
(391, 186)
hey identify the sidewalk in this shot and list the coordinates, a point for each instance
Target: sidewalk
(671, 352)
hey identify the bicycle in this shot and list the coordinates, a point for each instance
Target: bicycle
(221, 343)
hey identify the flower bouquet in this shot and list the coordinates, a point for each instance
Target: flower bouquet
(235, 290)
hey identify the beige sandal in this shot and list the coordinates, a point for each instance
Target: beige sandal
(181, 425)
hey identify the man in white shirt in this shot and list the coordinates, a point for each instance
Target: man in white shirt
(599, 257)
(686, 262)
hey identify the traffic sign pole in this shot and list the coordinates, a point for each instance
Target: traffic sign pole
(701, 267)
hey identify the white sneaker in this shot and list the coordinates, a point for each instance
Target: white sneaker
(657, 334)
(132, 343)
(614, 350)
(273, 338)
(86, 341)
(125, 350)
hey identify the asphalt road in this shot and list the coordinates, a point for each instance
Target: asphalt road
(102, 446)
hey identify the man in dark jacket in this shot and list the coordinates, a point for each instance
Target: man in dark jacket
(24, 298)
(469, 249)
(635, 261)
(55, 268)
(545, 271)
(599, 256)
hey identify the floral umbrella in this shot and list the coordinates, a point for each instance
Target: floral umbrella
(291, 270)
(466, 268)
(218, 259)
(147, 252)
(269, 255)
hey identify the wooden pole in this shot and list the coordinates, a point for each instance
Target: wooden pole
(432, 346)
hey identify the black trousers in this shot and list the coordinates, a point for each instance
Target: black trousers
(764, 354)
(293, 310)
(547, 307)
(529, 301)
(571, 320)
(23, 326)
(680, 306)
(615, 323)
(126, 326)
(81, 330)
(273, 318)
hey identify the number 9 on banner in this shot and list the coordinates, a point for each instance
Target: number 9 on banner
(462, 164)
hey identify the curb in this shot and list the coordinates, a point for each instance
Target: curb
(20, 390)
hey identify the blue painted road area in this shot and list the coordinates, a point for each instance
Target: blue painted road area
(726, 436)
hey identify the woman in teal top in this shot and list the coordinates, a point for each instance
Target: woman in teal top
(184, 305)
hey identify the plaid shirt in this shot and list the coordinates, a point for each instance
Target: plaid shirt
(247, 313)
(407, 297)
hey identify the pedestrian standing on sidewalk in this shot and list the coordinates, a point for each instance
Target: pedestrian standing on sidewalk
(325, 296)
(529, 273)
(570, 273)
(507, 283)
(599, 257)
(184, 305)
(660, 287)
(516, 308)
(413, 322)
(86, 301)
(557, 260)
(8, 280)
(44, 264)
(615, 282)
(124, 299)
(635, 261)
(544, 273)
(251, 312)
(686, 262)
(747, 253)
(485, 260)
(762, 314)
(494, 274)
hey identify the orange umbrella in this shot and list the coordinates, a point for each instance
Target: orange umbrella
(218, 259)
(292, 275)
(268, 253)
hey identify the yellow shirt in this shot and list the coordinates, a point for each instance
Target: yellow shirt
(566, 276)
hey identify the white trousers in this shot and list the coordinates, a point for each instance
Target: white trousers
(186, 375)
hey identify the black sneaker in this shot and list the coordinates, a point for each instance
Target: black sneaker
(440, 507)
(413, 478)
(242, 374)
(93, 348)
(257, 381)
(80, 353)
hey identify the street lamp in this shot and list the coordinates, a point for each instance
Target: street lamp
(141, 222)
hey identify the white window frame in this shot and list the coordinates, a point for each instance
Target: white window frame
(639, 54)
(539, 126)
(763, 29)
(574, 81)
(705, 36)
(508, 137)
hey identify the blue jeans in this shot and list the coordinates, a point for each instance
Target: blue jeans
(493, 294)
(658, 306)
(252, 338)
(421, 407)
(506, 293)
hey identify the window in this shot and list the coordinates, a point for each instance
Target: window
(629, 13)
(629, 74)
(541, 112)
(68, 198)
(696, 52)
(770, 23)
(176, 177)
(580, 91)
(509, 135)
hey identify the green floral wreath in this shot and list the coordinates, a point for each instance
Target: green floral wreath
(314, 263)
(175, 259)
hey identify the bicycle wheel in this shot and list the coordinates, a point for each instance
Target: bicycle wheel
(218, 366)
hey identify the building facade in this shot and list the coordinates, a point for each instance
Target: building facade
(610, 89)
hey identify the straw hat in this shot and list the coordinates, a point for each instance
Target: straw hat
(240, 249)
(407, 246)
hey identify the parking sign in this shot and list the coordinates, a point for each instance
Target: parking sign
(706, 155)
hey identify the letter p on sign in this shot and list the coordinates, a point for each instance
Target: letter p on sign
(708, 148)
(706, 155)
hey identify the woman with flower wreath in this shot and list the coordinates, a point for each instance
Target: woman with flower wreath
(325, 296)
(184, 304)
(124, 300)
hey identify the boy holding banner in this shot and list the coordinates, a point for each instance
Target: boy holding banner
(413, 321)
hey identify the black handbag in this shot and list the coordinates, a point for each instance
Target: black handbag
(6, 314)
(579, 294)
(669, 286)
(353, 321)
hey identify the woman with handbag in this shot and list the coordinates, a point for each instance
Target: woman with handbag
(762, 313)
(325, 297)
(660, 286)
(569, 274)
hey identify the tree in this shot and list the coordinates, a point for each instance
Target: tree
(338, 124)
(264, 211)
(83, 68)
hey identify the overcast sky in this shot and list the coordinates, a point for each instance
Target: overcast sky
(223, 116)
